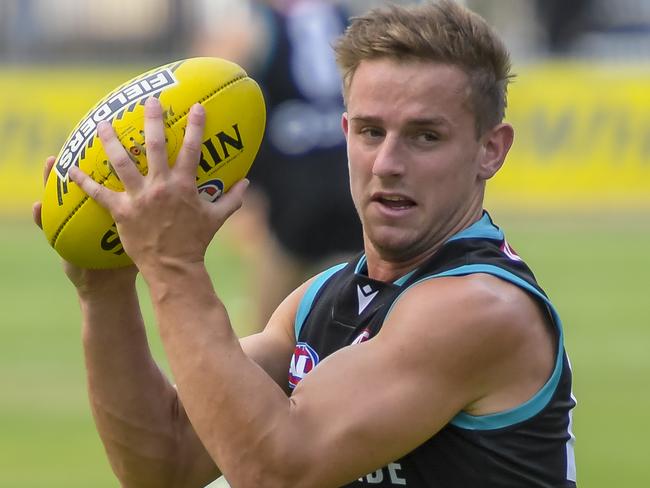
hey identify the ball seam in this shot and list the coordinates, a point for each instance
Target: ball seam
(240, 77)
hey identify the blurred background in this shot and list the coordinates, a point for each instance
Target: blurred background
(574, 197)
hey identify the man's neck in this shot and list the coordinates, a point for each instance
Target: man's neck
(389, 267)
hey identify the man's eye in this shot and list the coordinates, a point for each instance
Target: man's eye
(427, 137)
(371, 132)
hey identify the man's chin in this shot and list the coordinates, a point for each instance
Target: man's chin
(394, 244)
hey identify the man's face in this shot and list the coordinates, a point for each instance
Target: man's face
(413, 153)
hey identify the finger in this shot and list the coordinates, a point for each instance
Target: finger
(119, 158)
(36, 214)
(47, 169)
(231, 201)
(154, 138)
(94, 190)
(190, 152)
(37, 206)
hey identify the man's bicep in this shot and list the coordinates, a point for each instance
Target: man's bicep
(444, 346)
(369, 404)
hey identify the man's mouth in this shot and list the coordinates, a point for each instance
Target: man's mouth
(394, 202)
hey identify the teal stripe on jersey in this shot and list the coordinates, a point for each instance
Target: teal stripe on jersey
(481, 229)
(309, 296)
(360, 265)
(531, 407)
(404, 279)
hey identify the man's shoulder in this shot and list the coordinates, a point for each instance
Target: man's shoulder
(490, 335)
(473, 299)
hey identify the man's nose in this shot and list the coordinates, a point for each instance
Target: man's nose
(388, 160)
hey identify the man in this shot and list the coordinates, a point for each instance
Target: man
(432, 360)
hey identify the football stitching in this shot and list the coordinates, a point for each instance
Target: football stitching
(238, 78)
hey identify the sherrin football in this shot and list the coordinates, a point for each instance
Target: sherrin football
(83, 232)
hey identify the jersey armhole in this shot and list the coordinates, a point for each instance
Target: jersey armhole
(304, 307)
(534, 405)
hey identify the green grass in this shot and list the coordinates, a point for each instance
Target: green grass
(47, 436)
(594, 268)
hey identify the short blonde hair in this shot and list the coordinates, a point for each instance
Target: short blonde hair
(442, 32)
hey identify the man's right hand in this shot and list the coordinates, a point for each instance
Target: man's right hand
(87, 281)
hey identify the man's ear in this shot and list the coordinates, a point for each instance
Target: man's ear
(496, 143)
(345, 124)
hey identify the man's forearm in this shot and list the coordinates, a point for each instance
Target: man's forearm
(233, 404)
(135, 407)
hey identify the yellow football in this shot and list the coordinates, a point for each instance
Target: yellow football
(83, 232)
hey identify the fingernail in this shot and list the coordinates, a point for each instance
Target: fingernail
(198, 109)
(103, 126)
(74, 173)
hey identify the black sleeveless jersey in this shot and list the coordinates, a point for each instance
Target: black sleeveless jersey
(524, 447)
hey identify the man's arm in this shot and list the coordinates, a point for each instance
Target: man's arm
(136, 410)
(139, 416)
(143, 426)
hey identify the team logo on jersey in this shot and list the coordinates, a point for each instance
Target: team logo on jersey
(210, 191)
(365, 294)
(509, 251)
(304, 359)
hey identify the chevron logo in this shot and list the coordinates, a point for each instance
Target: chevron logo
(365, 296)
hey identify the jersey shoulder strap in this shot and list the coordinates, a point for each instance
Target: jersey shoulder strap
(308, 298)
